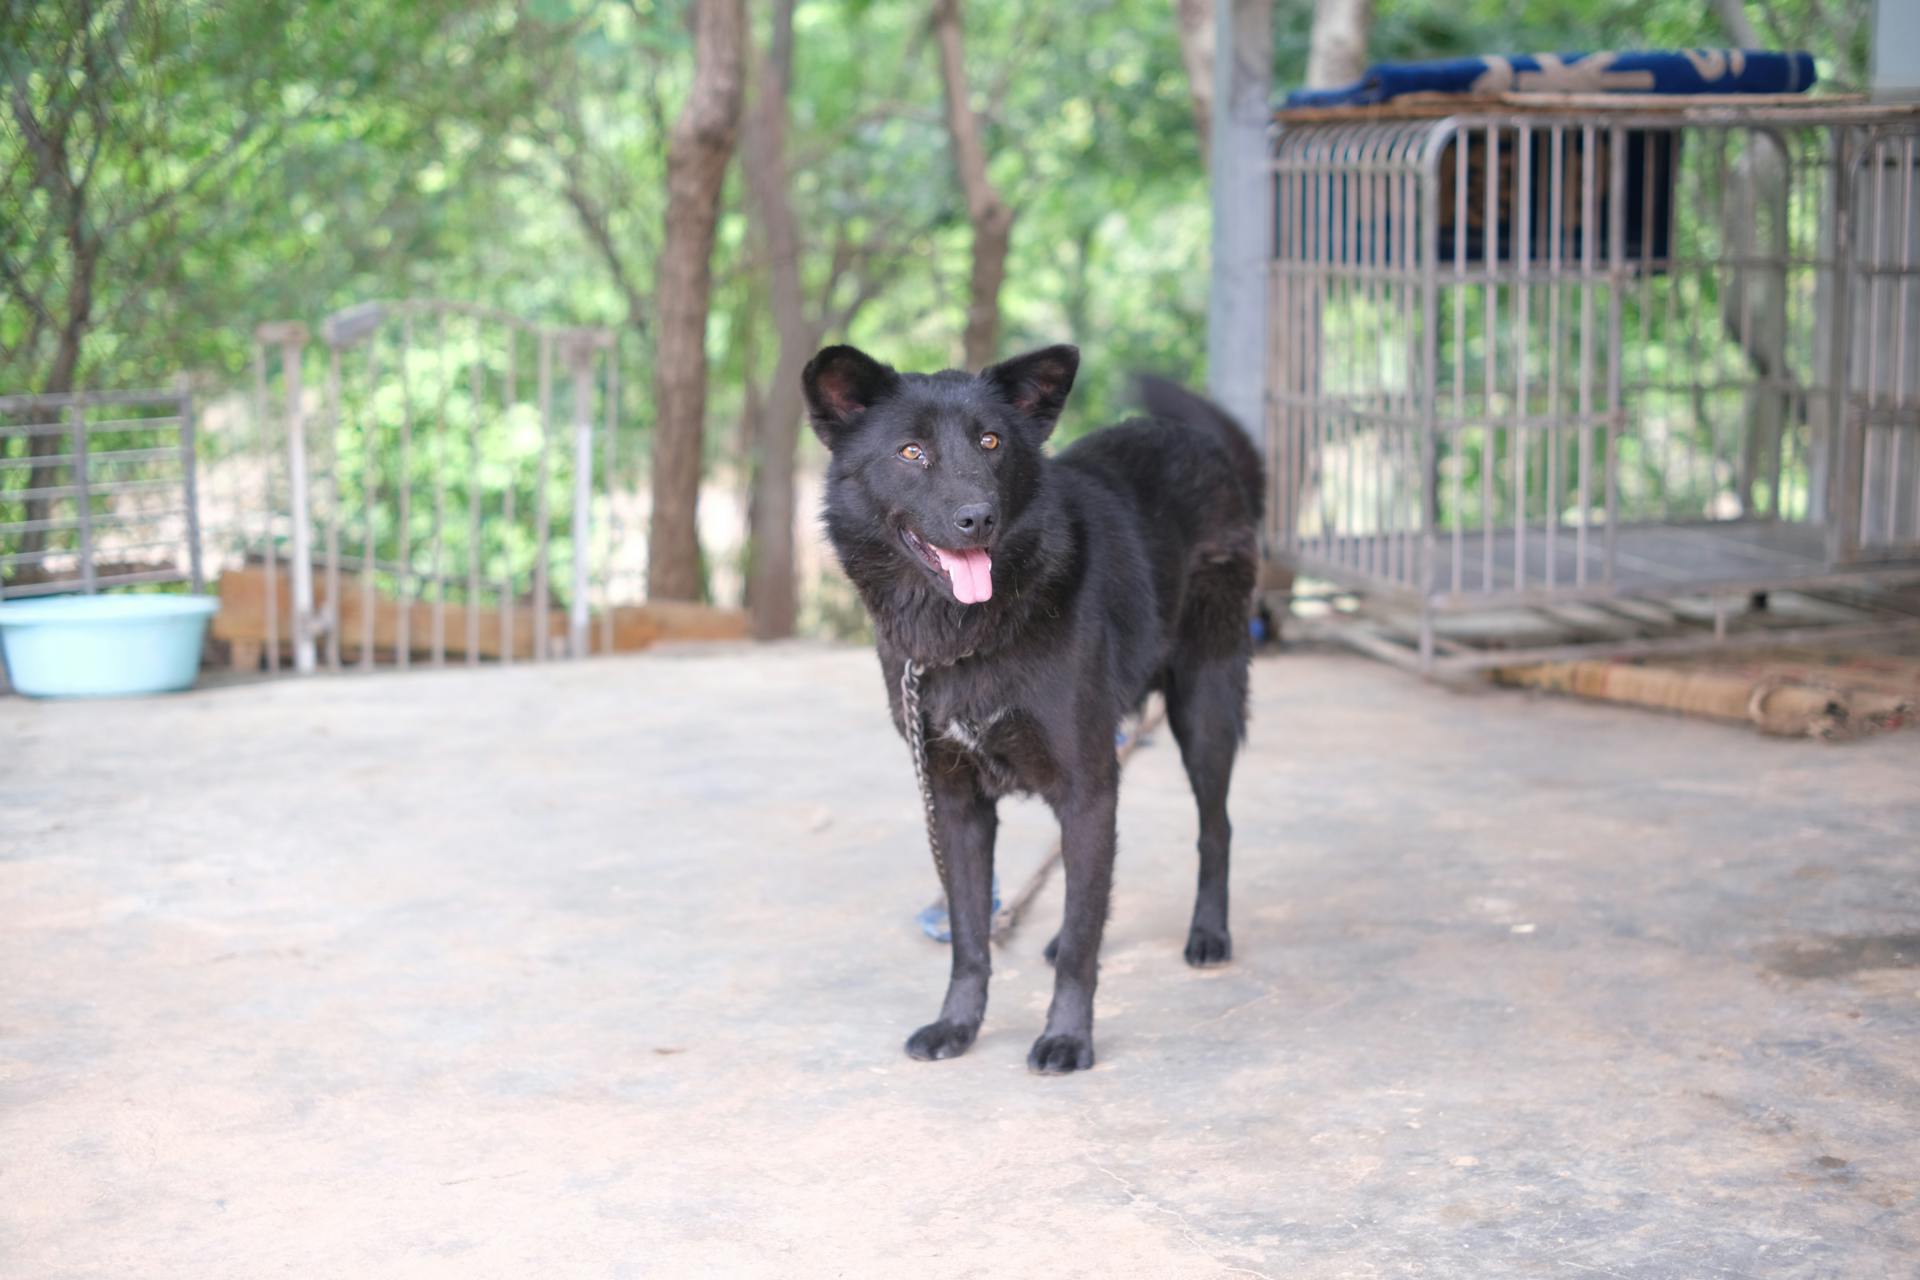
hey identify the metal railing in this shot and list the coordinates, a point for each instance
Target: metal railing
(424, 489)
(97, 489)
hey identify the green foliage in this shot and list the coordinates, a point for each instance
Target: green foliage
(266, 159)
(224, 162)
(252, 160)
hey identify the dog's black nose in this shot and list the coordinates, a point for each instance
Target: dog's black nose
(975, 519)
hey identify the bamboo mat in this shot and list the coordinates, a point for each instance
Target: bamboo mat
(1804, 692)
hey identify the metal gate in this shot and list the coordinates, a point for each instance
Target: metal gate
(435, 499)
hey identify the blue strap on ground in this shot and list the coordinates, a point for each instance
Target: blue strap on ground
(1674, 71)
(933, 919)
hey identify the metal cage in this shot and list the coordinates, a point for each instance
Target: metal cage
(1546, 355)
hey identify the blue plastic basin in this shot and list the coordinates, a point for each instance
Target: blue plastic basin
(103, 646)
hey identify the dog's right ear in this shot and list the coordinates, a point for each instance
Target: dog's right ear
(841, 383)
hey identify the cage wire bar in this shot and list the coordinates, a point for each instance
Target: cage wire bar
(1543, 355)
(97, 490)
(387, 553)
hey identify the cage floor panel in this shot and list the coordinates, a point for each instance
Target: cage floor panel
(1649, 559)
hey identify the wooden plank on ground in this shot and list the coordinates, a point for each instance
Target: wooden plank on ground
(638, 625)
(242, 622)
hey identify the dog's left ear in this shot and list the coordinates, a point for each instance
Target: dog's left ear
(1036, 383)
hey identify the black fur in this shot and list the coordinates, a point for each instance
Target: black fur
(1123, 565)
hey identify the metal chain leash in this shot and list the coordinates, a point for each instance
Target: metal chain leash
(917, 743)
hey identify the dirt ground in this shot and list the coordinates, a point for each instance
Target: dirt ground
(604, 969)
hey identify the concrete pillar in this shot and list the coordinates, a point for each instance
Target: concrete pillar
(1242, 210)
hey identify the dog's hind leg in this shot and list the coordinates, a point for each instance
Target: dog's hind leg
(1207, 708)
(966, 821)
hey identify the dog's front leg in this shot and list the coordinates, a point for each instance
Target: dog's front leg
(1087, 848)
(966, 820)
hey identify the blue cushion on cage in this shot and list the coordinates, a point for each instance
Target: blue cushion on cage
(1675, 71)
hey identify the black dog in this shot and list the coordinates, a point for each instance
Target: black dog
(1045, 598)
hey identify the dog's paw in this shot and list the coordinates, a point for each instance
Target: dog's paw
(1208, 947)
(1057, 1055)
(939, 1040)
(1052, 952)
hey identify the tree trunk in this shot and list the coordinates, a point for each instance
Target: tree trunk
(1735, 22)
(85, 252)
(747, 449)
(1753, 300)
(1196, 51)
(697, 155)
(772, 596)
(992, 217)
(772, 602)
(1077, 300)
(1337, 54)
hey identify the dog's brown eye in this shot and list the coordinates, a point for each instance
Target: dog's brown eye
(989, 441)
(912, 452)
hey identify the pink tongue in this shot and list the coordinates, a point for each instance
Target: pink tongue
(971, 571)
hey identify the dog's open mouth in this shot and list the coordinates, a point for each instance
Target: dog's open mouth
(969, 573)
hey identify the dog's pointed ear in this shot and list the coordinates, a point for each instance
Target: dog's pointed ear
(841, 383)
(1036, 383)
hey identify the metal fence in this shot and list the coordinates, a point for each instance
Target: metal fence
(432, 482)
(1540, 355)
(97, 489)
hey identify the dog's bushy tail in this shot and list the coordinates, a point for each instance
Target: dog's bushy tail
(1164, 398)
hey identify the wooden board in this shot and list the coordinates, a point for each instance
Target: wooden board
(242, 622)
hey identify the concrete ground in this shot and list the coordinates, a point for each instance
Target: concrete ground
(604, 970)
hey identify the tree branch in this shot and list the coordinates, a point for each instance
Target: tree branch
(48, 162)
(594, 221)
(17, 280)
(969, 156)
(103, 116)
(1195, 20)
(991, 217)
(826, 144)
(1776, 24)
(1026, 41)
(200, 174)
